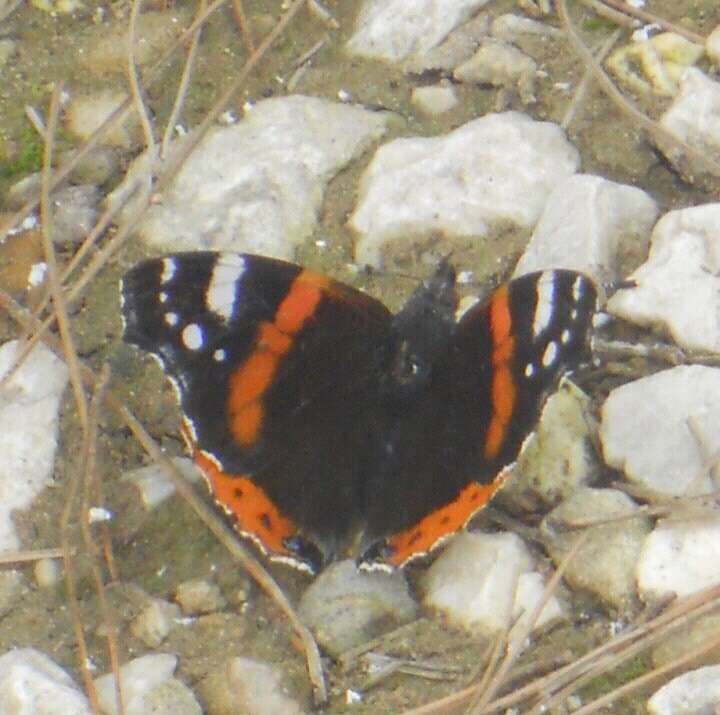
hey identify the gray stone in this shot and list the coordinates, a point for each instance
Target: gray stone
(345, 607)
(605, 563)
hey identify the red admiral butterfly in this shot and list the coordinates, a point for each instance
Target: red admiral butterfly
(321, 420)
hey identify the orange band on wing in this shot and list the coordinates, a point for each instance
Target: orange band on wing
(441, 523)
(256, 516)
(301, 301)
(503, 393)
(251, 380)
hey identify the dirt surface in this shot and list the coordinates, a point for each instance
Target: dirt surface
(157, 551)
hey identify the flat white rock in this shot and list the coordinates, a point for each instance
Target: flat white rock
(588, 223)
(712, 46)
(693, 693)
(29, 406)
(678, 287)
(250, 687)
(154, 484)
(605, 562)
(651, 429)
(484, 581)
(138, 678)
(694, 117)
(434, 100)
(33, 684)
(394, 30)
(498, 169)
(679, 557)
(257, 185)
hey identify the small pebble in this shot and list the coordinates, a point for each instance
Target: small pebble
(153, 625)
(346, 607)
(250, 687)
(48, 572)
(434, 100)
(199, 596)
(138, 678)
(605, 563)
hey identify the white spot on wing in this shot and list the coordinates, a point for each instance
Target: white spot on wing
(529, 370)
(550, 354)
(577, 290)
(545, 302)
(192, 336)
(219, 355)
(565, 336)
(220, 296)
(171, 319)
(169, 267)
(163, 297)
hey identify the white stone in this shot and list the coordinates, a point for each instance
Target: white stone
(475, 582)
(394, 30)
(29, 406)
(678, 287)
(256, 186)
(501, 65)
(679, 557)
(87, 112)
(694, 693)
(712, 46)
(199, 596)
(559, 458)
(651, 429)
(587, 224)
(154, 485)
(510, 27)
(528, 594)
(138, 678)
(32, 684)
(605, 563)
(495, 170)
(694, 117)
(154, 623)
(250, 687)
(47, 572)
(434, 100)
(458, 46)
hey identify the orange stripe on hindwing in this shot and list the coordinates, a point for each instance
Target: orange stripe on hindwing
(249, 382)
(441, 523)
(256, 515)
(503, 393)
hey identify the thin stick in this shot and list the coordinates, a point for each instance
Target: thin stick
(243, 26)
(36, 120)
(134, 81)
(89, 469)
(17, 557)
(608, 13)
(53, 273)
(183, 86)
(584, 86)
(71, 586)
(649, 17)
